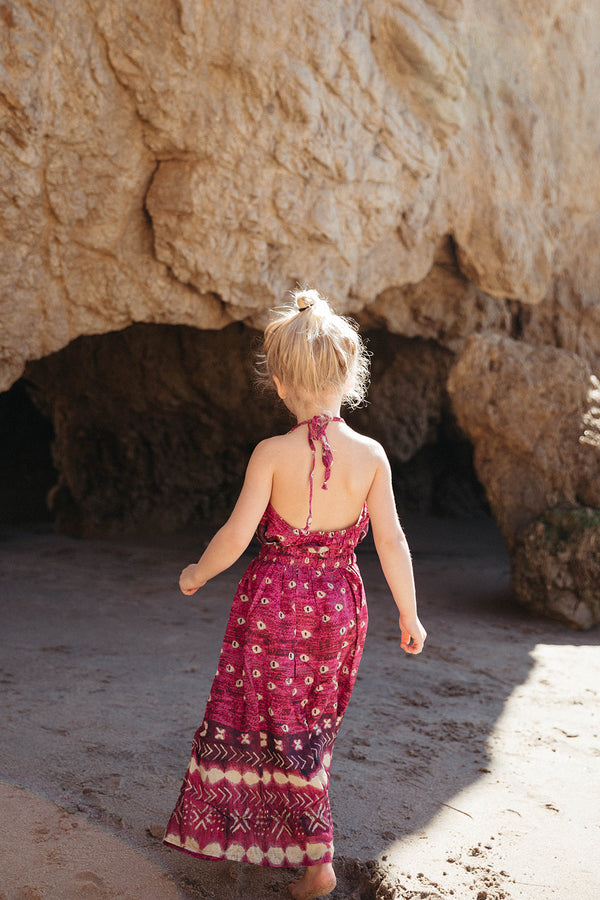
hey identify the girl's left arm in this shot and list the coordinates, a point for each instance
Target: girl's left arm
(231, 540)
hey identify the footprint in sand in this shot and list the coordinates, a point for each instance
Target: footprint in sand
(89, 885)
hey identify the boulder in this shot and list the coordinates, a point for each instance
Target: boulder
(532, 414)
(407, 399)
(524, 409)
(556, 565)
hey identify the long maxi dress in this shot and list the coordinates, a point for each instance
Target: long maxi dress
(256, 788)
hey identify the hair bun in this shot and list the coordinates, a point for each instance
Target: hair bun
(306, 299)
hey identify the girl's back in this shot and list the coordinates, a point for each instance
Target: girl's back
(353, 468)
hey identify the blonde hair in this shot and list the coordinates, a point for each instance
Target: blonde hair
(313, 350)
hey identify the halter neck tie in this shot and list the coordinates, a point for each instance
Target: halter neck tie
(317, 431)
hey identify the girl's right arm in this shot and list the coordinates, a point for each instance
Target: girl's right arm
(231, 540)
(394, 554)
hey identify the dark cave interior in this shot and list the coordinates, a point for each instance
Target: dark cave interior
(149, 429)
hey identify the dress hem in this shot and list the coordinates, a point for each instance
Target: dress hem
(328, 858)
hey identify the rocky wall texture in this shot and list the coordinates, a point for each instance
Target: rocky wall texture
(153, 426)
(428, 164)
(533, 416)
(524, 410)
(187, 162)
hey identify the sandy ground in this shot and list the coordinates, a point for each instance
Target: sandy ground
(472, 771)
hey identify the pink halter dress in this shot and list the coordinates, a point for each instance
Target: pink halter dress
(256, 788)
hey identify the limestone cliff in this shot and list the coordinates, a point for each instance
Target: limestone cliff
(177, 161)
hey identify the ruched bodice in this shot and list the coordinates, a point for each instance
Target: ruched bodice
(279, 539)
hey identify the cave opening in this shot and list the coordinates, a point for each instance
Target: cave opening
(151, 428)
(27, 473)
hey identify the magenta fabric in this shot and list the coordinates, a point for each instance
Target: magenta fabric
(256, 789)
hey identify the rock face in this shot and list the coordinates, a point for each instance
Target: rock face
(530, 414)
(524, 410)
(149, 430)
(186, 162)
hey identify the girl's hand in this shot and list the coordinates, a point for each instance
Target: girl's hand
(413, 635)
(188, 580)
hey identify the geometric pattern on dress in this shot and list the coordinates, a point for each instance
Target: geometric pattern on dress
(256, 788)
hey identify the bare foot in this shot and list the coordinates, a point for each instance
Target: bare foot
(316, 882)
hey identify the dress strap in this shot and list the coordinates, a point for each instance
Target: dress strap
(317, 432)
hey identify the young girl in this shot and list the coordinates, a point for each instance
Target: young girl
(256, 789)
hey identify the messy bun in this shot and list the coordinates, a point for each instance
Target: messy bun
(313, 350)
(305, 299)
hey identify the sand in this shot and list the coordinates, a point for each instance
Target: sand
(472, 771)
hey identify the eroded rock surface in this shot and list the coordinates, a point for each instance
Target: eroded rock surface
(149, 429)
(187, 162)
(523, 408)
(529, 413)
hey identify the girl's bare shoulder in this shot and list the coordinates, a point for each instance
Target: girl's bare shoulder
(368, 445)
(272, 447)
